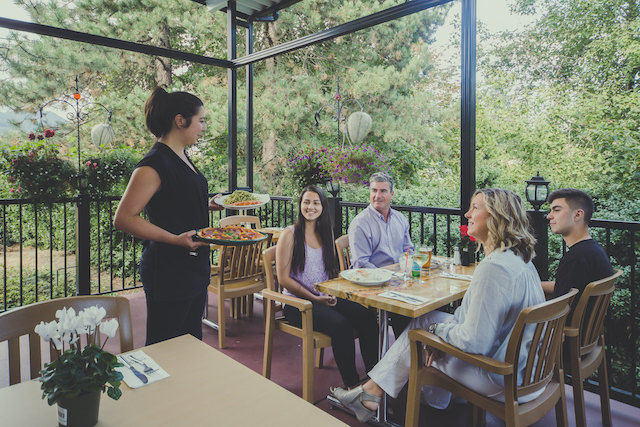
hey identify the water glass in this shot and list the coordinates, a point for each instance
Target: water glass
(405, 262)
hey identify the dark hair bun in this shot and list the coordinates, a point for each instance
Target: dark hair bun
(162, 107)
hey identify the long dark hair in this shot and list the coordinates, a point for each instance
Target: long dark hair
(162, 107)
(324, 227)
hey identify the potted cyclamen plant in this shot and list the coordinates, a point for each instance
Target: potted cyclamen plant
(467, 246)
(80, 374)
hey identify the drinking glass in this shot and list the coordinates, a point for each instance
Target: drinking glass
(405, 263)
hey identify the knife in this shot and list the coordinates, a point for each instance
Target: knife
(142, 377)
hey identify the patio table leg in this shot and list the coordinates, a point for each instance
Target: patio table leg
(383, 346)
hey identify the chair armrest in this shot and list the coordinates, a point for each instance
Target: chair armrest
(299, 303)
(571, 332)
(484, 362)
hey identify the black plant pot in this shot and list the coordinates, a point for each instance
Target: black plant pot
(465, 257)
(81, 411)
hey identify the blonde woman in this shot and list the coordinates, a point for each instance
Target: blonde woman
(504, 283)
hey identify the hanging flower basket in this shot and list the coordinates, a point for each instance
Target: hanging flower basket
(339, 164)
(34, 169)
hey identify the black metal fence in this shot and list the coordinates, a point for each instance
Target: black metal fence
(38, 260)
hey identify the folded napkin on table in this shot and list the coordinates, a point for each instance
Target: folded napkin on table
(130, 378)
(467, 277)
(404, 297)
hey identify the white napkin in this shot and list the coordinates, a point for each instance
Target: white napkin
(466, 277)
(404, 297)
(131, 379)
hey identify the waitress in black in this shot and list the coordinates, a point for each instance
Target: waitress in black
(174, 269)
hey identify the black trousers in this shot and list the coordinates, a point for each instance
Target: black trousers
(169, 319)
(340, 322)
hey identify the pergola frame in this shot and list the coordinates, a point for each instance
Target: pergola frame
(232, 63)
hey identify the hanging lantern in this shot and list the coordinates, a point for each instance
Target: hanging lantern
(102, 134)
(358, 126)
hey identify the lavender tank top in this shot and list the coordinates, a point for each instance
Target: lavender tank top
(313, 272)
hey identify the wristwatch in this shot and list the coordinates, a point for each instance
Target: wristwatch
(432, 328)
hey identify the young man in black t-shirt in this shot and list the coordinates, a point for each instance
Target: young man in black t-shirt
(586, 261)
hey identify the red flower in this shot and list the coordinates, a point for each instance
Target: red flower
(32, 136)
(338, 97)
(48, 133)
(88, 163)
(40, 137)
(464, 231)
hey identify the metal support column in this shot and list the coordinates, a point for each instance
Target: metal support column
(83, 246)
(249, 149)
(232, 85)
(468, 105)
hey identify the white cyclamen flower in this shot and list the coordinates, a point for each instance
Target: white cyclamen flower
(91, 317)
(69, 325)
(49, 332)
(109, 327)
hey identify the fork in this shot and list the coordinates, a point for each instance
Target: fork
(147, 369)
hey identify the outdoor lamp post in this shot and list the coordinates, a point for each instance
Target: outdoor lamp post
(537, 191)
(80, 115)
(333, 187)
(361, 124)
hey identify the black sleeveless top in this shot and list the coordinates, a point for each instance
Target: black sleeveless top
(180, 205)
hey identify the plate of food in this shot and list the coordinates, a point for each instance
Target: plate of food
(241, 199)
(231, 235)
(367, 276)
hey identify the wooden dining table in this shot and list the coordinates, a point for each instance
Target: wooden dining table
(436, 288)
(204, 388)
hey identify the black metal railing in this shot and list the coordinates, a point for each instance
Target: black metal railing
(38, 254)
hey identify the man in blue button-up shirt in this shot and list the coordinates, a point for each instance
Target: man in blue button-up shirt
(379, 235)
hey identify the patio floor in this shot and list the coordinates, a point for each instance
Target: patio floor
(245, 341)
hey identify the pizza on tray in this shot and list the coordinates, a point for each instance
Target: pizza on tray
(231, 233)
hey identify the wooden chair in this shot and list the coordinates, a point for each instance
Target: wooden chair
(274, 299)
(584, 346)
(239, 272)
(241, 220)
(342, 247)
(543, 369)
(22, 321)
(244, 304)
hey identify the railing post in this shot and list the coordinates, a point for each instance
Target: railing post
(539, 226)
(83, 246)
(336, 215)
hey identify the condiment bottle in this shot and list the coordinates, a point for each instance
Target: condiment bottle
(456, 256)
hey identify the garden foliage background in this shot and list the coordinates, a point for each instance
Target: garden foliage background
(560, 96)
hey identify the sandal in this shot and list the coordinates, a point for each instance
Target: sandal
(353, 399)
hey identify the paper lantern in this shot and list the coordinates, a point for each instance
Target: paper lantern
(358, 126)
(102, 134)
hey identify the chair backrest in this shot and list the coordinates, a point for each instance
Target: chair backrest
(342, 247)
(547, 321)
(241, 220)
(590, 311)
(22, 321)
(269, 258)
(241, 263)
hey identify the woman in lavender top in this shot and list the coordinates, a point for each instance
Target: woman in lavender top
(306, 255)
